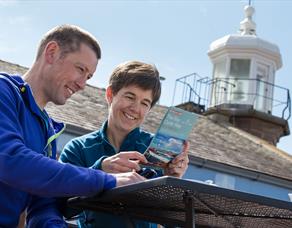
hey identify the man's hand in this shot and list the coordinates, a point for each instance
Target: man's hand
(178, 166)
(123, 162)
(128, 178)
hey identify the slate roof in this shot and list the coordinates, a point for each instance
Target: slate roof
(12, 68)
(210, 141)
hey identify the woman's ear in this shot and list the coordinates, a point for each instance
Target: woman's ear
(109, 95)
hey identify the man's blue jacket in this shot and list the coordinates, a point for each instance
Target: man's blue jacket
(29, 175)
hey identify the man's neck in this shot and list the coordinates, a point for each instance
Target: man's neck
(32, 77)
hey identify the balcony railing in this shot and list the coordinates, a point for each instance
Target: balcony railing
(205, 92)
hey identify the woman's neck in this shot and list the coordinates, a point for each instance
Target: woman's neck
(115, 137)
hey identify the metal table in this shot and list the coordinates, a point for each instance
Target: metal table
(186, 203)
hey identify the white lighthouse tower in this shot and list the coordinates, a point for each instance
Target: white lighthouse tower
(242, 88)
(244, 67)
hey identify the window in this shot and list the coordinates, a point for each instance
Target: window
(220, 69)
(263, 94)
(239, 80)
(239, 68)
(218, 88)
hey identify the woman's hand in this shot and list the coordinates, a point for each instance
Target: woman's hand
(178, 166)
(123, 162)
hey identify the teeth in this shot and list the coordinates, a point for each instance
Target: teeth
(70, 90)
(129, 116)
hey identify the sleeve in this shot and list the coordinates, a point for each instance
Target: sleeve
(97, 164)
(42, 212)
(29, 171)
(72, 153)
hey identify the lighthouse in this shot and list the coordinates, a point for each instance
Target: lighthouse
(243, 82)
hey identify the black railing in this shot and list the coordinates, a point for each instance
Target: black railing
(192, 88)
(261, 95)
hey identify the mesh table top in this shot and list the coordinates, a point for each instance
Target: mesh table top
(163, 200)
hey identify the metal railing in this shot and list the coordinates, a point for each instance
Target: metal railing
(203, 91)
(192, 87)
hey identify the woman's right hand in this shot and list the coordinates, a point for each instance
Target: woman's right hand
(123, 162)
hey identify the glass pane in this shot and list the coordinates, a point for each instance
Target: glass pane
(262, 93)
(220, 70)
(218, 94)
(240, 68)
(240, 91)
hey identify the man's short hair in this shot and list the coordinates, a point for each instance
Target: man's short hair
(69, 38)
(140, 74)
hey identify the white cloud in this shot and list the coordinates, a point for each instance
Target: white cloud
(19, 21)
(5, 49)
(22, 21)
(5, 3)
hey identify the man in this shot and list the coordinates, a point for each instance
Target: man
(67, 56)
(134, 88)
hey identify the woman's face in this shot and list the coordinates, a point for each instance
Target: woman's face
(128, 108)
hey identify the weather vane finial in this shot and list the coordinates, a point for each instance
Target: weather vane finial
(247, 26)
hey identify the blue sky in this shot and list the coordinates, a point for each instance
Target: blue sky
(174, 35)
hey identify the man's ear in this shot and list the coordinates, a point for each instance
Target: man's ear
(109, 95)
(52, 52)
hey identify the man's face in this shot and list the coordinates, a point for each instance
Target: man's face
(128, 108)
(69, 74)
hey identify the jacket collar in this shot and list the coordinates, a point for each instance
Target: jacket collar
(128, 143)
(25, 91)
(53, 128)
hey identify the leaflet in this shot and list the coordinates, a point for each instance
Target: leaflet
(169, 139)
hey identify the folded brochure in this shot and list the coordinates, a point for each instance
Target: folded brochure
(169, 139)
